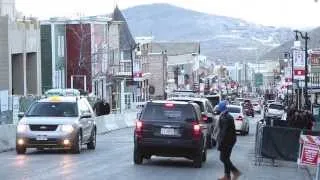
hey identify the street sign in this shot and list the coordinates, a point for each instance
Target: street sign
(299, 74)
(258, 79)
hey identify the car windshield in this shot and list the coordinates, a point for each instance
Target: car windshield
(162, 112)
(234, 109)
(53, 109)
(276, 106)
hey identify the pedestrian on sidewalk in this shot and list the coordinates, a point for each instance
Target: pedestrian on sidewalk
(226, 140)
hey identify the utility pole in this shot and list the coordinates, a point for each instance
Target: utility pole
(306, 38)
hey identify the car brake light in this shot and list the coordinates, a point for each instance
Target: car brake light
(204, 118)
(169, 105)
(196, 130)
(139, 126)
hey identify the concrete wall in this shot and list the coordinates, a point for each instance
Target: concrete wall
(17, 74)
(4, 54)
(24, 38)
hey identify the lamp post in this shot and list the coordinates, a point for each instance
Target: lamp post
(306, 38)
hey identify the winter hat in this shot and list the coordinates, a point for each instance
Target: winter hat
(222, 106)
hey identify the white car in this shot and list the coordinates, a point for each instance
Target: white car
(256, 107)
(275, 110)
(240, 120)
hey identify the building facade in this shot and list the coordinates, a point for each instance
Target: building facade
(20, 70)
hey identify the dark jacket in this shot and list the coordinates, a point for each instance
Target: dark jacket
(227, 136)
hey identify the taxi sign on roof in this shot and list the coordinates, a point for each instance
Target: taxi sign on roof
(55, 99)
(62, 92)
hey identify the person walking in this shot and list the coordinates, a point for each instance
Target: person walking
(226, 140)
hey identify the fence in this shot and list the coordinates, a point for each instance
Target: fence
(276, 141)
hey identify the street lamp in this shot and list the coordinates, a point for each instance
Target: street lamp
(306, 38)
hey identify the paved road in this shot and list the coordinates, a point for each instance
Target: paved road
(113, 160)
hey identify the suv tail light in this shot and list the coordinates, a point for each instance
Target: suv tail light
(196, 130)
(139, 126)
(239, 118)
(205, 118)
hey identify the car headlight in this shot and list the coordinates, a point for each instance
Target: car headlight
(67, 128)
(22, 128)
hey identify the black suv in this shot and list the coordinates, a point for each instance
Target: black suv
(170, 129)
(207, 116)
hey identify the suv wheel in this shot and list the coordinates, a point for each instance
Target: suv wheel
(209, 142)
(197, 159)
(248, 129)
(148, 157)
(204, 155)
(137, 156)
(77, 144)
(93, 140)
(21, 150)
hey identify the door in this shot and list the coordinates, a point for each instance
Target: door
(85, 122)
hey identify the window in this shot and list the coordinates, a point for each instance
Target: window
(53, 109)
(173, 113)
(234, 109)
(60, 45)
(209, 107)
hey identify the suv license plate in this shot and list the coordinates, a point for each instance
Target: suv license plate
(41, 138)
(167, 131)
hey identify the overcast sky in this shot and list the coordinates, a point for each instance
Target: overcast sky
(285, 13)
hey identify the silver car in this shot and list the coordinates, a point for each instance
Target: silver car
(57, 122)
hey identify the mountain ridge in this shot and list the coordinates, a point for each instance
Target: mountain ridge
(221, 37)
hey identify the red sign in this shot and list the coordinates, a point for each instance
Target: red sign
(309, 155)
(298, 72)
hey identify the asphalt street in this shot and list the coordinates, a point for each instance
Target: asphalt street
(113, 160)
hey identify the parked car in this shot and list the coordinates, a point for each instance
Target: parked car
(57, 122)
(207, 115)
(240, 120)
(170, 129)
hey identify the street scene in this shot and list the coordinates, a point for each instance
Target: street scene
(153, 89)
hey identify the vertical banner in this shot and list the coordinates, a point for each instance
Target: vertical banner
(15, 109)
(4, 100)
(298, 59)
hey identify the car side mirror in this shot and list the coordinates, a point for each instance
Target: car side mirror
(20, 115)
(86, 115)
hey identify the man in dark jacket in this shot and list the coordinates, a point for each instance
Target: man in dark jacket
(226, 140)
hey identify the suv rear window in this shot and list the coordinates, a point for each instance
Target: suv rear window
(276, 106)
(53, 109)
(234, 109)
(200, 103)
(158, 112)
